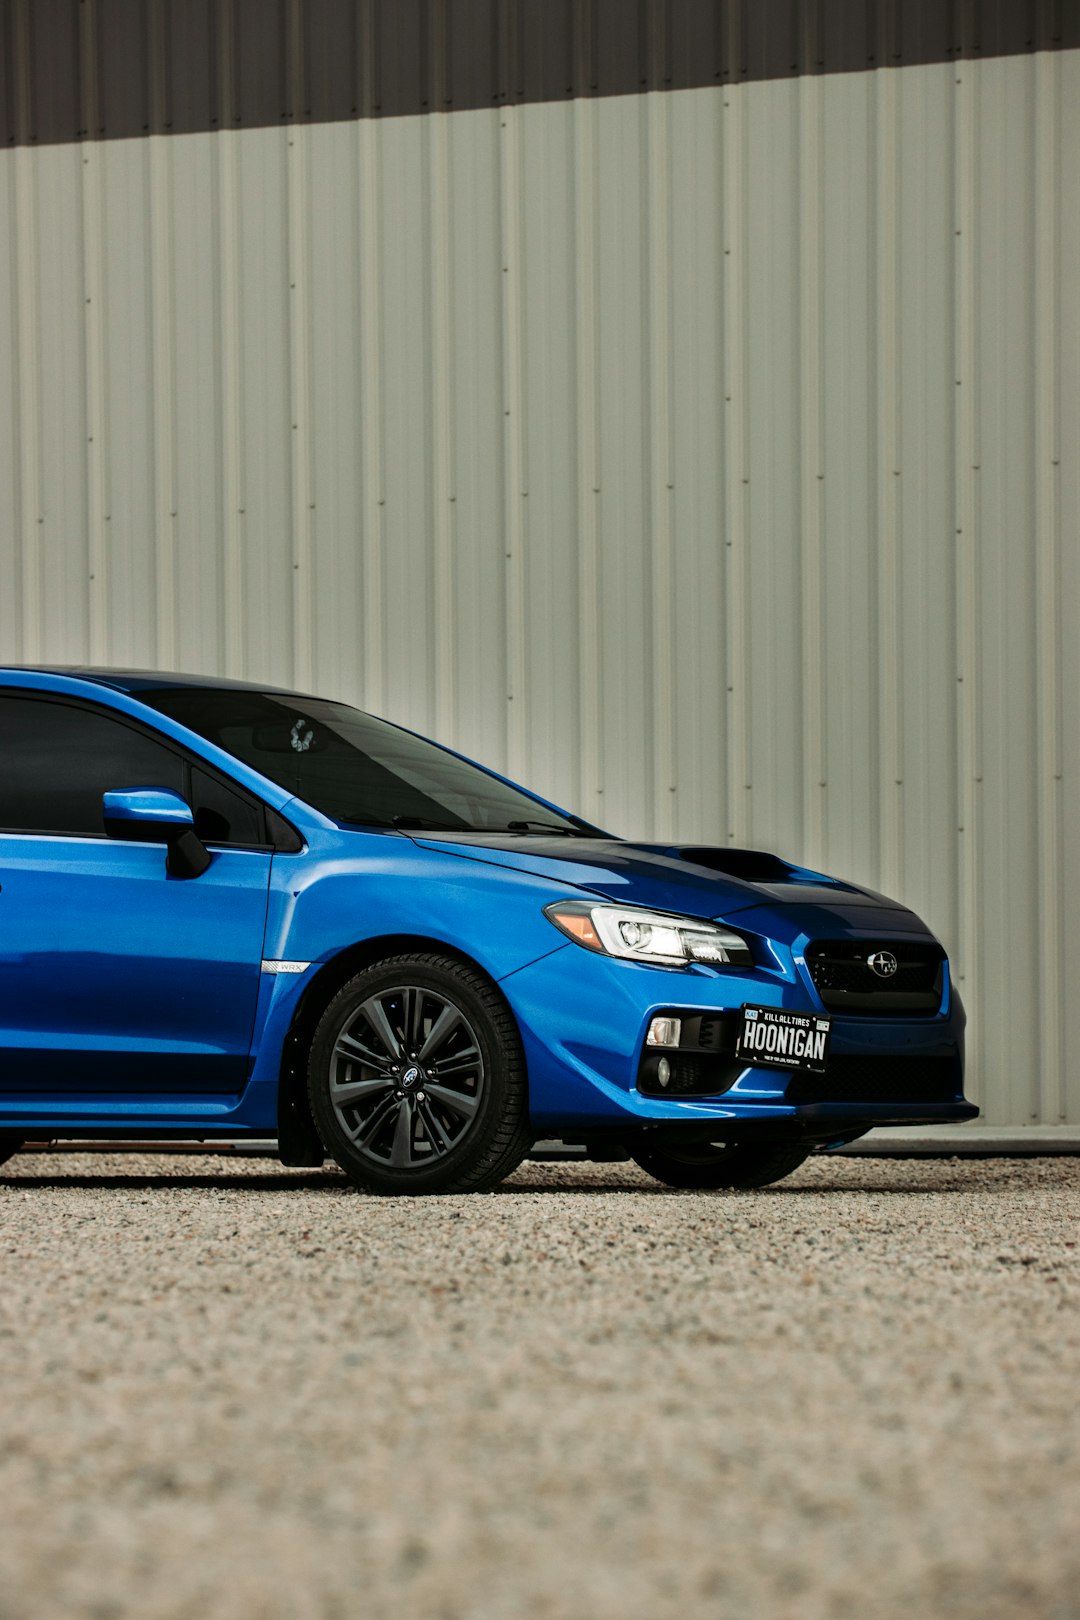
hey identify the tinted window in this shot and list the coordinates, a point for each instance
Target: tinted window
(58, 760)
(222, 816)
(351, 765)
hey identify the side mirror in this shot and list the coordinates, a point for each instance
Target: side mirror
(157, 816)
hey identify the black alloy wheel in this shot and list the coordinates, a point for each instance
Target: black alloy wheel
(720, 1164)
(417, 1079)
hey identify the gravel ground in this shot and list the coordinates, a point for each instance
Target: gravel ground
(232, 1389)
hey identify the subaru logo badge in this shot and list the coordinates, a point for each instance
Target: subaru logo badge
(410, 1077)
(883, 963)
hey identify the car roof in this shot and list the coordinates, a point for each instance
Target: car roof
(134, 681)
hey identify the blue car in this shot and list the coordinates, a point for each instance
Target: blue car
(228, 911)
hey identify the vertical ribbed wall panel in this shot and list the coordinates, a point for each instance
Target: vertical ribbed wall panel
(1059, 348)
(708, 458)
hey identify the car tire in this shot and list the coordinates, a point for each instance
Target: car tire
(9, 1146)
(416, 1078)
(720, 1164)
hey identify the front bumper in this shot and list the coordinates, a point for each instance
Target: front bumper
(583, 1019)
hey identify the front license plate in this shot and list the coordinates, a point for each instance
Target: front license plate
(771, 1038)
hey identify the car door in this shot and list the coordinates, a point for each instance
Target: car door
(115, 977)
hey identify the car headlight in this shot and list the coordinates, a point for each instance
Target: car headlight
(638, 935)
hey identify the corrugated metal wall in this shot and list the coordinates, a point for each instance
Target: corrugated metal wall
(706, 458)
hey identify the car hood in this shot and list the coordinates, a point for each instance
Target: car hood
(694, 879)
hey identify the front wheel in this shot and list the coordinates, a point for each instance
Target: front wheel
(720, 1164)
(416, 1078)
(9, 1146)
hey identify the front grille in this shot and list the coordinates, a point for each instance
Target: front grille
(879, 1080)
(846, 983)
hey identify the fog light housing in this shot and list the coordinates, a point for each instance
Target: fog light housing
(663, 1072)
(664, 1032)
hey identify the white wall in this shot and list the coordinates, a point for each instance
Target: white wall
(708, 460)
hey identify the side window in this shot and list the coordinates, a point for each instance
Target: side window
(56, 761)
(223, 816)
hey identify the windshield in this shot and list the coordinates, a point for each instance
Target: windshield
(354, 767)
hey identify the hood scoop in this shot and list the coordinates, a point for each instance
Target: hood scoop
(750, 865)
(781, 880)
